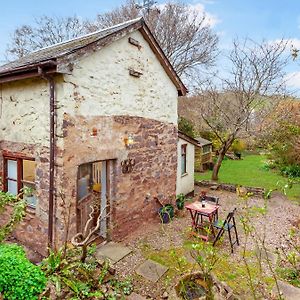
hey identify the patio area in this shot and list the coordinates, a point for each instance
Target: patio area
(170, 244)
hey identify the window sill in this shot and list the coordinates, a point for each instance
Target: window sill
(184, 174)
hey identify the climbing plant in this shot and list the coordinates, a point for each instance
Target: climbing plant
(15, 205)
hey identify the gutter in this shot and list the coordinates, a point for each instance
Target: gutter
(28, 71)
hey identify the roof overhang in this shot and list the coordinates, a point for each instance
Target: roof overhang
(148, 36)
(29, 71)
(187, 138)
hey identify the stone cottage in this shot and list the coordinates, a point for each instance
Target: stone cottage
(90, 121)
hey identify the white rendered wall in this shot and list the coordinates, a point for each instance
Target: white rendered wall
(185, 183)
(100, 84)
(24, 112)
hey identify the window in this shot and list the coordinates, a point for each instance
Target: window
(206, 149)
(19, 173)
(183, 159)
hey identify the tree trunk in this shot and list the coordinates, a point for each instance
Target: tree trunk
(221, 156)
(218, 163)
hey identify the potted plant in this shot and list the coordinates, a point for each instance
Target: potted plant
(180, 199)
(166, 213)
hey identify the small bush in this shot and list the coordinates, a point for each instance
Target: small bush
(238, 146)
(291, 171)
(19, 278)
(268, 165)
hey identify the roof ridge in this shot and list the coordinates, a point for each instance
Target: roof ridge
(88, 34)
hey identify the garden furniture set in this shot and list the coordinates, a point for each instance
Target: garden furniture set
(206, 223)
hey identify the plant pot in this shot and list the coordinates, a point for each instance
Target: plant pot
(166, 213)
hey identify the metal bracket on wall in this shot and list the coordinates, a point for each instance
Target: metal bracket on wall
(127, 165)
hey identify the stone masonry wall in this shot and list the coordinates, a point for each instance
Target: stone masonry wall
(100, 84)
(133, 194)
(97, 93)
(33, 230)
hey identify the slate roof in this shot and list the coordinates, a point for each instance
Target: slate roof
(64, 48)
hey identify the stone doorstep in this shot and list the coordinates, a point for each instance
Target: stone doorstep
(112, 251)
(288, 291)
(151, 270)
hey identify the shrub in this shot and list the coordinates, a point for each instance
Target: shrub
(186, 126)
(19, 278)
(238, 146)
(291, 171)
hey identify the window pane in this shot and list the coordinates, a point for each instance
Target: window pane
(12, 169)
(12, 187)
(83, 187)
(85, 181)
(30, 197)
(29, 170)
(183, 164)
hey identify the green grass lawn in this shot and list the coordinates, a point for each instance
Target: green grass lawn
(250, 172)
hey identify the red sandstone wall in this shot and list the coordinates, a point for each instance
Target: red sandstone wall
(133, 194)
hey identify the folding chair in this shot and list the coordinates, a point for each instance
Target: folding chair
(214, 200)
(227, 225)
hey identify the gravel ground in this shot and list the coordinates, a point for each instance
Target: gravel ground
(281, 213)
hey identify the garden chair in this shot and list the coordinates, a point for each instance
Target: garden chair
(227, 225)
(214, 200)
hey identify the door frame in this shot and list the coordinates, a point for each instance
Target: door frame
(105, 198)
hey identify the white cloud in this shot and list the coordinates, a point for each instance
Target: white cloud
(293, 80)
(199, 8)
(291, 43)
(211, 19)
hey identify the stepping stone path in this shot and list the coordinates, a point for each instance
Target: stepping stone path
(151, 270)
(288, 291)
(113, 251)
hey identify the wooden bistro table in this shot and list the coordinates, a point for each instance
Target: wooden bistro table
(198, 212)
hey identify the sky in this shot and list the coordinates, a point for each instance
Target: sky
(257, 19)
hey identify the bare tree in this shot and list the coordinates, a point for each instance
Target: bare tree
(46, 31)
(255, 84)
(183, 33)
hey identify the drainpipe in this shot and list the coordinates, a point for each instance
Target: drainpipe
(51, 169)
(52, 158)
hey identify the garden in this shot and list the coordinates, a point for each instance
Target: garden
(253, 170)
(266, 260)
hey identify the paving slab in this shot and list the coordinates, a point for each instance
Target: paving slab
(113, 251)
(288, 291)
(135, 296)
(151, 270)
